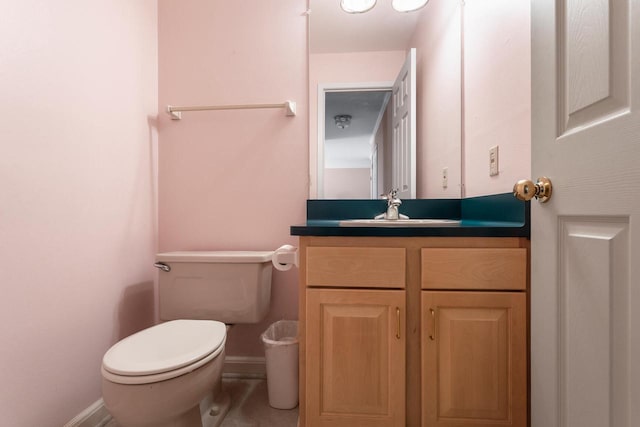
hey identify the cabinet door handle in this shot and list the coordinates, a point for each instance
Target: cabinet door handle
(432, 336)
(398, 324)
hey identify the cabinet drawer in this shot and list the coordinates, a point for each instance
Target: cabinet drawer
(356, 267)
(474, 268)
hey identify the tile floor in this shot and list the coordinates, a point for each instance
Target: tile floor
(250, 406)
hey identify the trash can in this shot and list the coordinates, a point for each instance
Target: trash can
(281, 353)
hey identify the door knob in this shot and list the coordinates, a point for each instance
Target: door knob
(527, 190)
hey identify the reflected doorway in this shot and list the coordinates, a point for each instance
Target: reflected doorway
(357, 140)
(367, 137)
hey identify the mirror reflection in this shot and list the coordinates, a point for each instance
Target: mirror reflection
(379, 154)
(472, 83)
(355, 141)
(362, 149)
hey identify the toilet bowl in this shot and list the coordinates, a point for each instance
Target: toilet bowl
(160, 376)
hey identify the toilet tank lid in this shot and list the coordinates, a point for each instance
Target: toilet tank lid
(234, 257)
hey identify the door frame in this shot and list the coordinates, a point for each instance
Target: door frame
(323, 88)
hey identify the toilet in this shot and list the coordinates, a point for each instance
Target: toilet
(169, 375)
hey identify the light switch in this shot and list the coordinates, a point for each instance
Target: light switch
(493, 161)
(445, 177)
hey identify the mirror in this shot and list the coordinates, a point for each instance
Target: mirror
(354, 62)
(473, 85)
(473, 80)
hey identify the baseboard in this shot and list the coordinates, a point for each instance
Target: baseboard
(95, 415)
(244, 367)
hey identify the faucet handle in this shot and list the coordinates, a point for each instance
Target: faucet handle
(393, 202)
(393, 194)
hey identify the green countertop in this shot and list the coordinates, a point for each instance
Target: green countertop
(498, 215)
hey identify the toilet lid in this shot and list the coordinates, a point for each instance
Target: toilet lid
(165, 347)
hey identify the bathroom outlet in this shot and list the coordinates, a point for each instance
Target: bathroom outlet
(493, 161)
(445, 177)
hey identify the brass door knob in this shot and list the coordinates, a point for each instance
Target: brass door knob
(527, 190)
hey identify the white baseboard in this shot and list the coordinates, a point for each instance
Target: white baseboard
(95, 415)
(244, 367)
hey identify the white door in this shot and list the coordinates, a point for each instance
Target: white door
(374, 172)
(585, 289)
(403, 123)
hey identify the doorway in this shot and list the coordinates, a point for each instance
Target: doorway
(354, 140)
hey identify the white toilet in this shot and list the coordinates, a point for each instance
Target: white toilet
(159, 376)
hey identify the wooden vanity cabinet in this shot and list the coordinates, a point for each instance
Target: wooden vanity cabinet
(355, 339)
(424, 331)
(474, 337)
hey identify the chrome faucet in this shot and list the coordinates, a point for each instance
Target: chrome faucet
(393, 203)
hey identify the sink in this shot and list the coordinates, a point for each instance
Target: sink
(412, 222)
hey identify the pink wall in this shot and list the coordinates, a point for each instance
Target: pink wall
(490, 107)
(352, 67)
(77, 219)
(439, 83)
(497, 84)
(359, 180)
(234, 179)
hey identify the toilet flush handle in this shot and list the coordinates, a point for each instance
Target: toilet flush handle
(162, 266)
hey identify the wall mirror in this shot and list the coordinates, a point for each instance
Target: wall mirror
(362, 85)
(473, 94)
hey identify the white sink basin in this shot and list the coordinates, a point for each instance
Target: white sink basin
(417, 222)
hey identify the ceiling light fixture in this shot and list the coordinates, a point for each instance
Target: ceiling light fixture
(361, 6)
(342, 121)
(408, 5)
(357, 6)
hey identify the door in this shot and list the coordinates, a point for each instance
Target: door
(403, 125)
(355, 347)
(585, 290)
(474, 359)
(374, 172)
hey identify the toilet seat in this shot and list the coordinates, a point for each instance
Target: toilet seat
(164, 351)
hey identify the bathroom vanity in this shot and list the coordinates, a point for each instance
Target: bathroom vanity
(415, 327)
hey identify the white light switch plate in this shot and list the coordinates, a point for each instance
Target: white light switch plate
(445, 177)
(493, 161)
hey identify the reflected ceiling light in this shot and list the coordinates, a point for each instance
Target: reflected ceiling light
(408, 5)
(342, 121)
(361, 6)
(357, 6)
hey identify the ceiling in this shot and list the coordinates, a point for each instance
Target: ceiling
(364, 107)
(381, 29)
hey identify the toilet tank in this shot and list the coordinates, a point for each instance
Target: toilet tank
(228, 286)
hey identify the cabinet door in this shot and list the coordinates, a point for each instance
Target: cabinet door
(355, 358)
(474, 365)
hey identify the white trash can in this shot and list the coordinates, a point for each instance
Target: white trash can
(281, 353)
